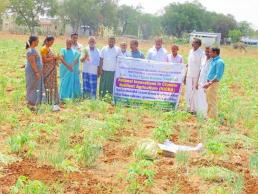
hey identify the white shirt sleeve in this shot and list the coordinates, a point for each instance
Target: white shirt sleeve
(165, 51)
(119, 52)
(167, 58)
(98, 51)
(149, 54)
(165, 54)
(182, 59)
(189, 56)
(101, 55)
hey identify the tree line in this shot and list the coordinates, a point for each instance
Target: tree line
(177, 19)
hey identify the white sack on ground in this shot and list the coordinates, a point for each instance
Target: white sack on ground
(171, 147)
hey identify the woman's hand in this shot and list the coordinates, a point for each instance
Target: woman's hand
(207, 85)
(85, 58)
(70, 68)
(58, 57)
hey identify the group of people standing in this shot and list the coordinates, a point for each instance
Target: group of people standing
(203, 72)
(41, 73)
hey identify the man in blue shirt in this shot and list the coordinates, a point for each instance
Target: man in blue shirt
(214, 76)
(135, 53)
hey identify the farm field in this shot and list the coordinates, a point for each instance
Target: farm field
(92, 147)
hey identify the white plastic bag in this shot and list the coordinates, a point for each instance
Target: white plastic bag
(171, 147)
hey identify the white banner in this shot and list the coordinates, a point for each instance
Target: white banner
(151, 83)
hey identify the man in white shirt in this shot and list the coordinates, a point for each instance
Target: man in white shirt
(174, 57)
(157, 53)
(107, 67)
(123, 47)
(90, 58)
(192, 71)
(76, 46)
(202, 104)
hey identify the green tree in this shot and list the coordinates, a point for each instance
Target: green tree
(3, 5)
(79, 12)
(150, 26)
(221, 23)
(128, 17)
(180, 18)
(133, 22)
(89, 13)
(28, 11)
(108, 13)
(245, 28)
(235, 35)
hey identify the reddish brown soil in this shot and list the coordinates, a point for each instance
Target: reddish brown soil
(100, 179)
(30, 169)
(114, 161)
(168, 177)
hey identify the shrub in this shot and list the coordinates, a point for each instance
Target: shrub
(88, 152)
(22, 142)
(24, 185)
(140, 175)
(215, 147)
(163, 132)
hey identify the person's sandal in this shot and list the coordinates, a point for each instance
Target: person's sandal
(32, 108)
(56, 108)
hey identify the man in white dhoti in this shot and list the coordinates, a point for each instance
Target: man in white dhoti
(202, 105)
(192, 72)
(157, 53)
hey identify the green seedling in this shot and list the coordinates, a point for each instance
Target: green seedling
(88, 152)
(163, 132)
(215, 147)
(140, 170)
(25, 186)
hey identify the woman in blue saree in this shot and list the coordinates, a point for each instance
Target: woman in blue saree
(70, 87)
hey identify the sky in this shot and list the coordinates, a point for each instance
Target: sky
(242, 10)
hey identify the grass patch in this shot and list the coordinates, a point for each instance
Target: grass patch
(27, 186)
(232, 181)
